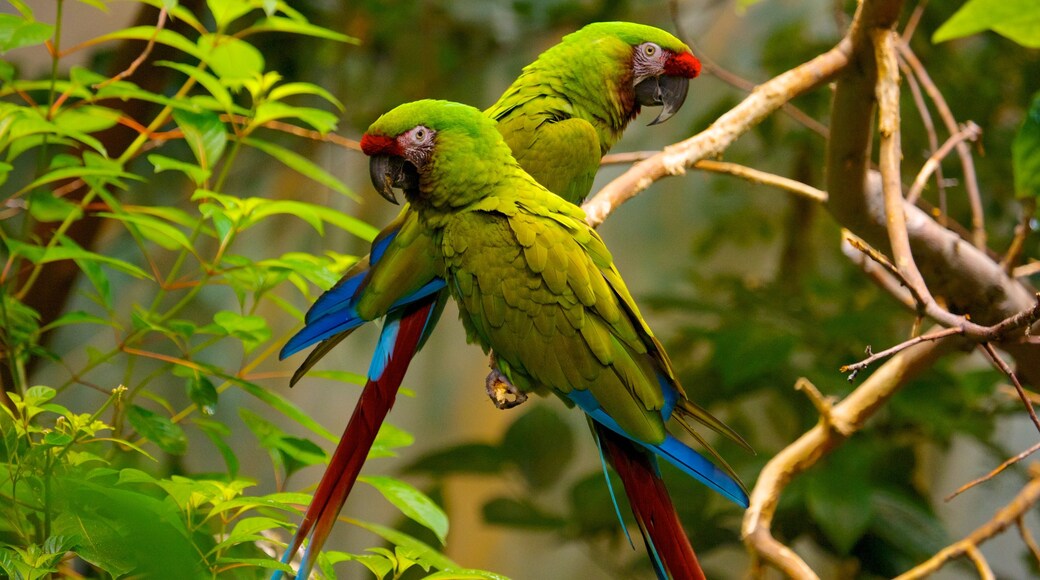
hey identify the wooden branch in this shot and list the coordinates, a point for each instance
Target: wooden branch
(1006, 516)
(846, 418)
(675, 159)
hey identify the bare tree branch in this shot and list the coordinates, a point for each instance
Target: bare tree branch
(846, 418)
(675, 159)
(1006, 516)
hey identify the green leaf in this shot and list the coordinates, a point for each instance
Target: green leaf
(287, 453)
(16, 32)
(301, 165)
(107, 520)
(202, 392)
(515, 513)
(378, 564)
(248, 530)
(78, 172)
(232, 59)
(56, 439)
(1018, 20)
(418, 551)
(251, 330)
(289, 89)
(269, 563)
(154, 230)
(45, 207)
(205, 135)
(79, 317)
(146, 33)
(159, 429)
(475, 458)
(197, 174)
(540, 444)
(204, 78)
(286, 408)
(321, 121)
(87, 119)
(38, 395)
(388, 438)
(1025, 153)
(227, 11)
(412, 503)
(281, 24)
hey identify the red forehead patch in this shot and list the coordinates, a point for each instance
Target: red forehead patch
(683, 64)
(378, 144)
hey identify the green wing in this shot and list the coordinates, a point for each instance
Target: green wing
(561, 154)
(530, 291)
(409, 262)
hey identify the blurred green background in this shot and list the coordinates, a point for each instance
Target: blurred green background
(745, 285)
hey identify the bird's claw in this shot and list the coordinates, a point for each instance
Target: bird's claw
(503, 393)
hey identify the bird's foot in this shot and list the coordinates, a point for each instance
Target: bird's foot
(503, 393)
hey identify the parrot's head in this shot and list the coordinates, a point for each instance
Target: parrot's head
(654, 65)
(439, 153)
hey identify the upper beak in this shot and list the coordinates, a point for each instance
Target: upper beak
(667, 91)
(389, 172)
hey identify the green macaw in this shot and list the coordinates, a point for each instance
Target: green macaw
(537, 285)
(559, 117)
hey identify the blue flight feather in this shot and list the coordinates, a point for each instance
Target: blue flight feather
(671, 450)
(345, 291)
(345, 318)
(385, 346)
(610, 487)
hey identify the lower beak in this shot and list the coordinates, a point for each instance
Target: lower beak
(667, 91)
(389, 172)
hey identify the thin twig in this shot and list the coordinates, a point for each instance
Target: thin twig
(1004, 368)
(1000, 468)
(1026, 270)
(735, 169)
(855, 368)
(1022, 231)
(929, 129)
(971, 183)
(1027, 537)
(881, 275)
(913, 21)
(736, 81)
(141, 57)
(889, 267)
(970, 132)
(1005, 517)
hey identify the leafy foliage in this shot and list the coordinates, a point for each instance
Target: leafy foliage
(107, 486)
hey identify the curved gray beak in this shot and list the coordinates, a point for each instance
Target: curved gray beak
(389, 172)
(668, 92)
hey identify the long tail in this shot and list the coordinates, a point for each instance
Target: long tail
(670, 550)
(402, 336)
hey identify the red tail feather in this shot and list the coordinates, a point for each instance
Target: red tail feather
(651, 505)
(376, 400)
